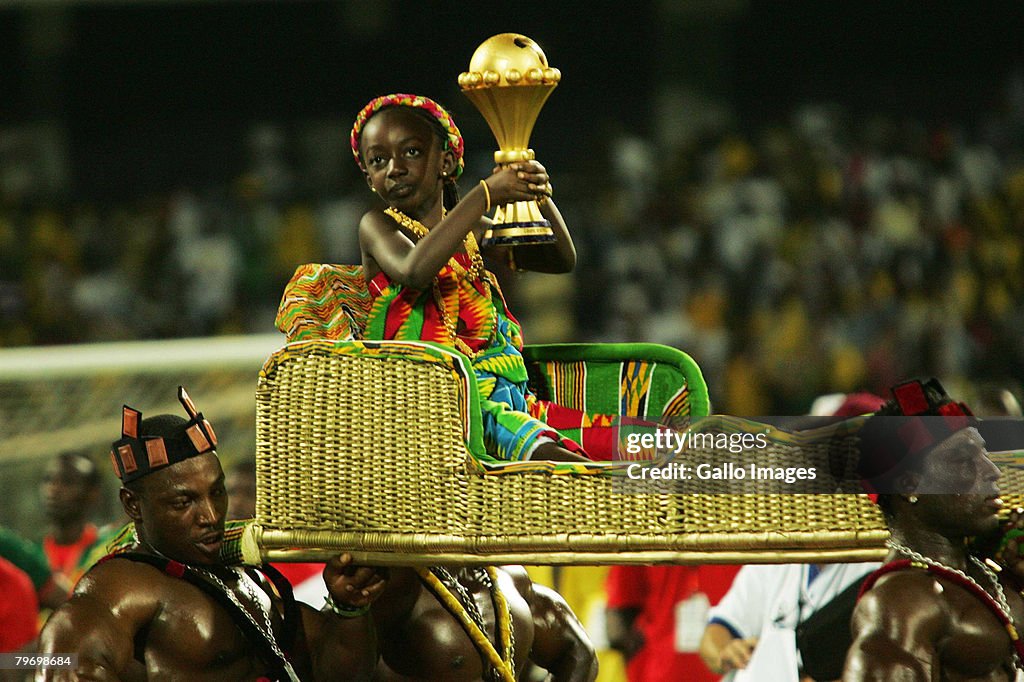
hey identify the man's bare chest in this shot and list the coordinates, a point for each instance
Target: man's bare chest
(194, 633)
(978, 646)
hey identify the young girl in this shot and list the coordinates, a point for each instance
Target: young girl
(424, 270)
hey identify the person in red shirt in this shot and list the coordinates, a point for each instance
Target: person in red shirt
(19, 608)
(69, 490)
(656, 615)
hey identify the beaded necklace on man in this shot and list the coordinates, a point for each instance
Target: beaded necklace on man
(476, 270)
(999, 601)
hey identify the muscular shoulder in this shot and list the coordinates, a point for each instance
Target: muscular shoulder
(122, 579)
(545, 604)
(519, 577)
(898, 626)
(112, 601)
(903, 590)
(905, 605)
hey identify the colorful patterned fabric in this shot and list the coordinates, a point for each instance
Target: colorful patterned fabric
(492, 467)
(323, 301)
(600, 398)
(650, 381)
(602, 436)
(405, 314)
(487, 329)
(453, 144)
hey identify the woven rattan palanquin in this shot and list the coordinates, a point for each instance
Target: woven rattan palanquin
(387, 474)
(373, 448)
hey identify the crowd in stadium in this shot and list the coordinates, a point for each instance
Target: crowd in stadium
(882, 245)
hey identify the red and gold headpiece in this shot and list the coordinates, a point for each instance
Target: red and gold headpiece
(135, 456)
(920, 416)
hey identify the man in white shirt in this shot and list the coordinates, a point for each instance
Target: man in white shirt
(764, 606)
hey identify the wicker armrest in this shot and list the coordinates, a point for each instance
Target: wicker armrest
(353, 435)
(644, 380)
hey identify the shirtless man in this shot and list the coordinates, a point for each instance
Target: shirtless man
(171, 609)
(421, 637)
(936, 611)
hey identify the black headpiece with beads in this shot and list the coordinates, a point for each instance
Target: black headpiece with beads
(135, 456)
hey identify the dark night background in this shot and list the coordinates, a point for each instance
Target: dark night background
(153, 93)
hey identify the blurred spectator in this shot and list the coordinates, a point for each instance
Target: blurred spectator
(1001, 425)
(996, 400)
(241, 486)
(763, 610)
(845, 405)
(656, 615)
(70, 491)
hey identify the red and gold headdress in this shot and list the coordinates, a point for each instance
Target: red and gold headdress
(920, 416)
(135, 456)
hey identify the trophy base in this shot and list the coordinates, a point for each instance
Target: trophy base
(518, 224)
(519, 234)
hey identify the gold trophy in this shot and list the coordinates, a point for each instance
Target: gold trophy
(508, 81)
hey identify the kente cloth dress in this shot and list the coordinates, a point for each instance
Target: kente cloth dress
(468, 311)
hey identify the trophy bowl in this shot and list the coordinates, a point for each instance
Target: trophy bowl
(508, 81)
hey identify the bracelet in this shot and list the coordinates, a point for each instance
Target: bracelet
(549, 190)
(487, 194)
(346, 612)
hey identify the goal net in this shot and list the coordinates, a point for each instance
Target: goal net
(68, 399)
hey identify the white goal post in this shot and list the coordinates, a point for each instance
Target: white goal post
(56, 399)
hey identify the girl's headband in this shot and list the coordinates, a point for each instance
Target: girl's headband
(453, 144)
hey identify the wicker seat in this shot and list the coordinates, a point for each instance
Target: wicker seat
(374, 448)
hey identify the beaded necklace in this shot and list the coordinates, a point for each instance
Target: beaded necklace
(476, 270)
(476, 267)
(998, 604)
(460, 603)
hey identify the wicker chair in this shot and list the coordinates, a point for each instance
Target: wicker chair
(375, 448)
